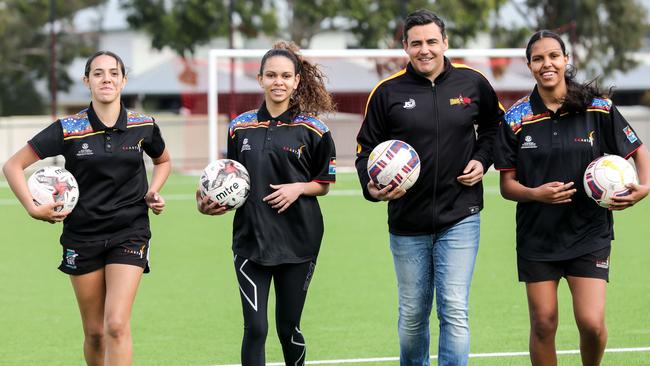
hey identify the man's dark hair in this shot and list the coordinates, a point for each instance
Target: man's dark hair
(422, 17)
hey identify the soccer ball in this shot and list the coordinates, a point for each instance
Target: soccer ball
(394, 163)
(225, 181)
(54, 184)
(606, 177)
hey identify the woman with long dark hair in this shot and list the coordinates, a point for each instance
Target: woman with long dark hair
(544, 147)
(105, 239)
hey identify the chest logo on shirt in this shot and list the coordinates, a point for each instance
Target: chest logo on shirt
(297, 151)
(137, 147)
(528, 143)
(589, 140)
(631, 136)
(409, 104)
(85, 150)
(245, 146)
(460, 100)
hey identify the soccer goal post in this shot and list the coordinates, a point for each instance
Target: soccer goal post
(363, 67)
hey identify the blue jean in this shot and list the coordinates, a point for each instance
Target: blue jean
(442, 264)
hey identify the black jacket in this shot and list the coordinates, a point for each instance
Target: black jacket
(438, 119)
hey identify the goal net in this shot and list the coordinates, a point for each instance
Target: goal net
(352, 75)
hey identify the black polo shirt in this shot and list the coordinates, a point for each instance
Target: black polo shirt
(543, 146)
(107, 163)
(278, 150)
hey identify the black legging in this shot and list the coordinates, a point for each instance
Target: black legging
(291, 282)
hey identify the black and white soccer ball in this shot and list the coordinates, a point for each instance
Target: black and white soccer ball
(225, 181)
(53, 184)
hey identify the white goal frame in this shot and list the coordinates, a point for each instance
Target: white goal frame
(215, 54)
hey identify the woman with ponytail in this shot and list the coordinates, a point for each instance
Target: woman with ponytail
(291, 159)
(543, 149)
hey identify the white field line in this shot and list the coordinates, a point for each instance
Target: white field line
(471, 355)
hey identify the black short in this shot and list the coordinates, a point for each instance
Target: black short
(88, 256)
(591, 265)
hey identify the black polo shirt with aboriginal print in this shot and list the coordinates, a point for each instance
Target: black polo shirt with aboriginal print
(279, 150)
(543, 146)
(107, 163)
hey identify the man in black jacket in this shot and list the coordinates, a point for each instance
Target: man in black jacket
(449, 114)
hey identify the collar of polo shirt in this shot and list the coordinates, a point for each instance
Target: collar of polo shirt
(98, 125)
(264, 115)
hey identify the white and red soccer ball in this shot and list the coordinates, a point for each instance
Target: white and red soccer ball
(606, 177)
(225, 181)
(394, 163)
(53, 184)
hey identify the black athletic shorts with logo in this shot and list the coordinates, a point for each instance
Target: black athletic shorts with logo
(88, 256)
(591, 265)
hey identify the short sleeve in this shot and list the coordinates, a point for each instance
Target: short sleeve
(323, 164)
(618, 136)
(505, 151)
(48, 142)
(155, 145)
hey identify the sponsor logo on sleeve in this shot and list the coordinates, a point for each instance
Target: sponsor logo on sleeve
(332, 166)
(631, 136)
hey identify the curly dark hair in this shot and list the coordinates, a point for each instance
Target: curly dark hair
(311, 97)
(579, 96)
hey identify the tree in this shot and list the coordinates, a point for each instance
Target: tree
(378, 23)
(310, 17)
(182, 25)
(605, 33)
(25, 59)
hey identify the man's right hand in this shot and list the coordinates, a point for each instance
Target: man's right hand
(385, 194)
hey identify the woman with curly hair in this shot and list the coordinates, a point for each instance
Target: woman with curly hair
(291, 159)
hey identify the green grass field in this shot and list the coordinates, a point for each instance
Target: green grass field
(188, 310)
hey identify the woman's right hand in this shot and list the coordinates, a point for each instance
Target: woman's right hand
(209, 208)
(554, 192)
(47, 212)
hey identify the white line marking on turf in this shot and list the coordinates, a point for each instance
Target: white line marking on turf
(471, 355)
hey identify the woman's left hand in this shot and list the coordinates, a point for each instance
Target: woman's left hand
(637, 193)
(284, 195)
(155, 202)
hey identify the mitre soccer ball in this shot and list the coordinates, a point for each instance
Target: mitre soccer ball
(394, 163)
(226, 182)
(606, 177)
(54, 184)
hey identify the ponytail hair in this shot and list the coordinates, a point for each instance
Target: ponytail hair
(579, 96)
(311, 97)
